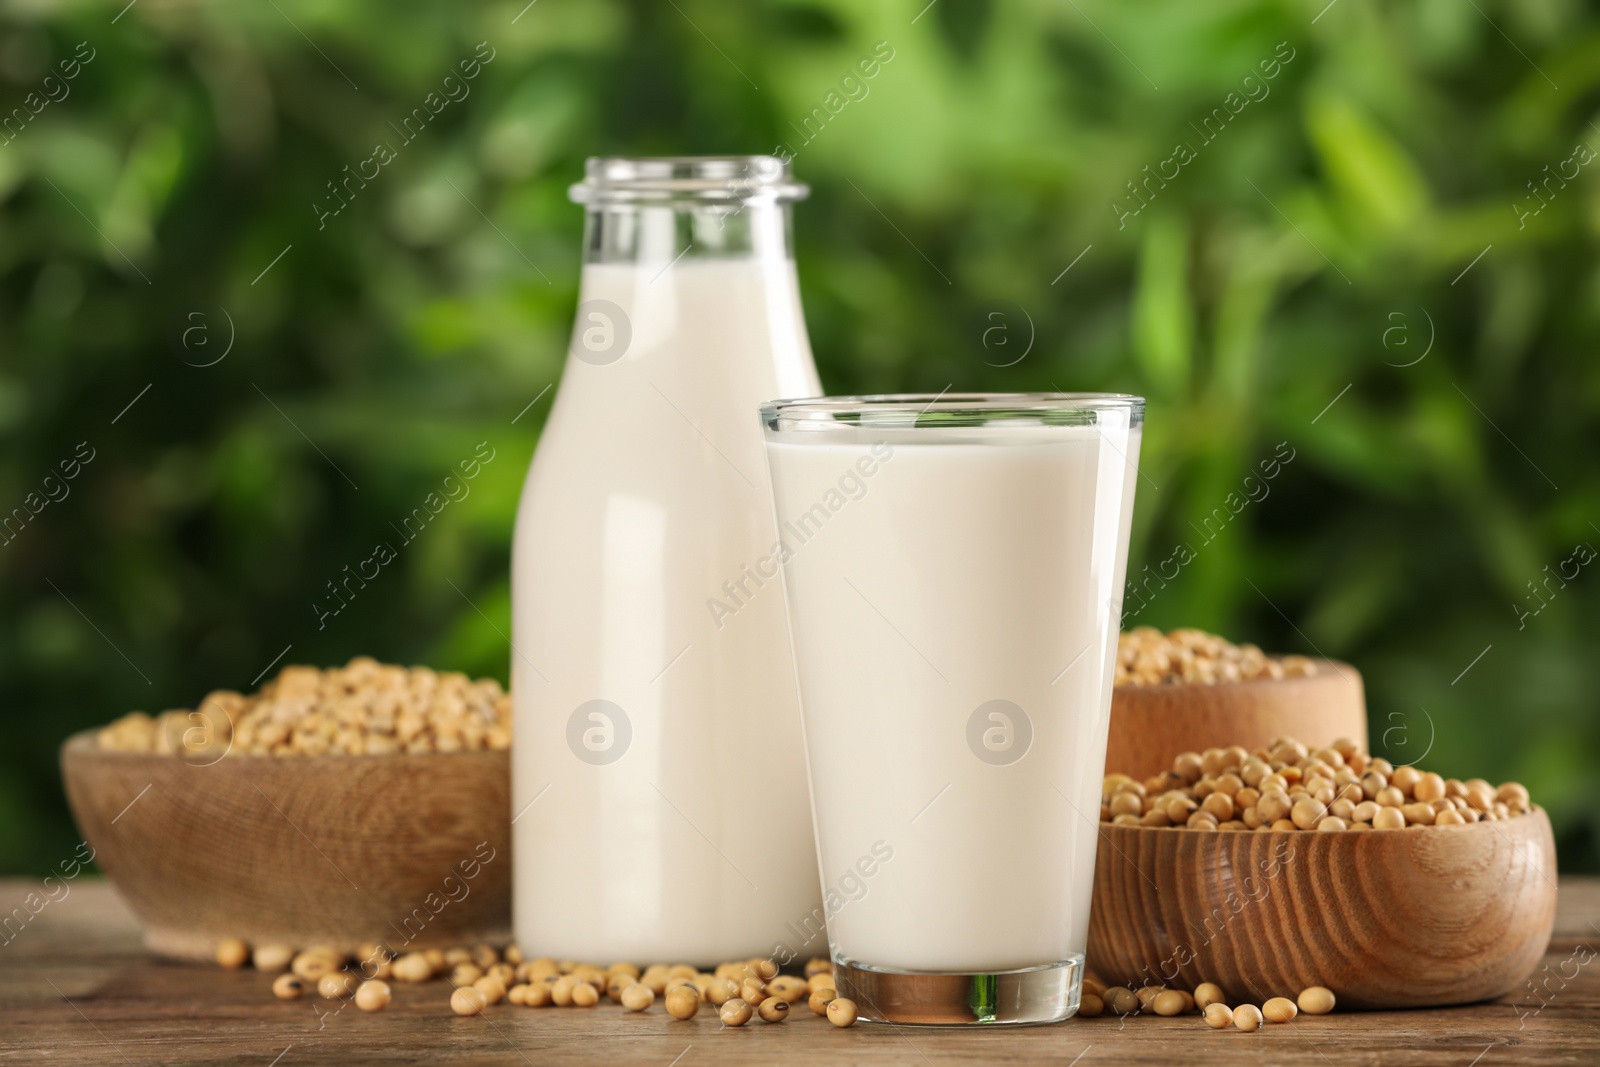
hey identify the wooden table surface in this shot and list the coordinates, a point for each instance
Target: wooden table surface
(77, 987)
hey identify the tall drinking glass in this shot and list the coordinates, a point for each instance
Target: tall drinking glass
(954, 567)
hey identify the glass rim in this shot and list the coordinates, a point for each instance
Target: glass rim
(911, 411)
(662, 179)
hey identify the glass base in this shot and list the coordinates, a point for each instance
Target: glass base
(1046, 994)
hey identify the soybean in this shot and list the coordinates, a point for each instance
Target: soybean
(412, 967)
(373, 995)
(789, 988)
(1170, 1002)
(1429, 787)
(684, 1002)
(467, 1001)
(233, 953)
(270, 959)
(637, 997)
(1279, 1010)
(1388, 819)
(1316, 1000)
(336, 984)
(312, 965)
(1122, 1000)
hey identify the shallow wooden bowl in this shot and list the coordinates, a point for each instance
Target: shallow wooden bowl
(414, 851)
(1427, 915)
(1151, 725)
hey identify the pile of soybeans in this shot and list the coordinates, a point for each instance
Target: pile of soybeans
(483, 976)
(363, 708)
(1287, 786)
(1146, 656)
(1207, 998)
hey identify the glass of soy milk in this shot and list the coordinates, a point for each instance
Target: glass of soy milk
(953, 567)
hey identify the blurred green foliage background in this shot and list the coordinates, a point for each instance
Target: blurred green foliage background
(1352, 266)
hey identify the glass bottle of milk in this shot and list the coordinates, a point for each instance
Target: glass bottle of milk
(660, 796)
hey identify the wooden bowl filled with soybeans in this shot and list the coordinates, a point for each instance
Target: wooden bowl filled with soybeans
(362, 803)
(1285, 868)
(1189, 690)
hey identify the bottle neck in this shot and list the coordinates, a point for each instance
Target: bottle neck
(665, 232)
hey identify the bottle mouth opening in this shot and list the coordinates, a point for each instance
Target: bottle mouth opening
(706, 179)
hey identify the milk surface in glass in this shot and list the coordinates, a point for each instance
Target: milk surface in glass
(954, 595)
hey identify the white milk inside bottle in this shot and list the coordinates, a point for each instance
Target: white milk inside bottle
(659, 787)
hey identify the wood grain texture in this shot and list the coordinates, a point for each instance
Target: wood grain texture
(1386, 919)
(77, 988)
(1150, 725)
(411, 850)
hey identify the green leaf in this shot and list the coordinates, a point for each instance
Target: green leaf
(1163, 314)
(1373, 175)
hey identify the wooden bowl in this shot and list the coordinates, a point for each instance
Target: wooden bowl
(1427, 915)
(413, 851)
(1150, 725)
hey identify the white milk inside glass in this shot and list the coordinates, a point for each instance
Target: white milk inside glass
(648, 492)
(951, 575)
